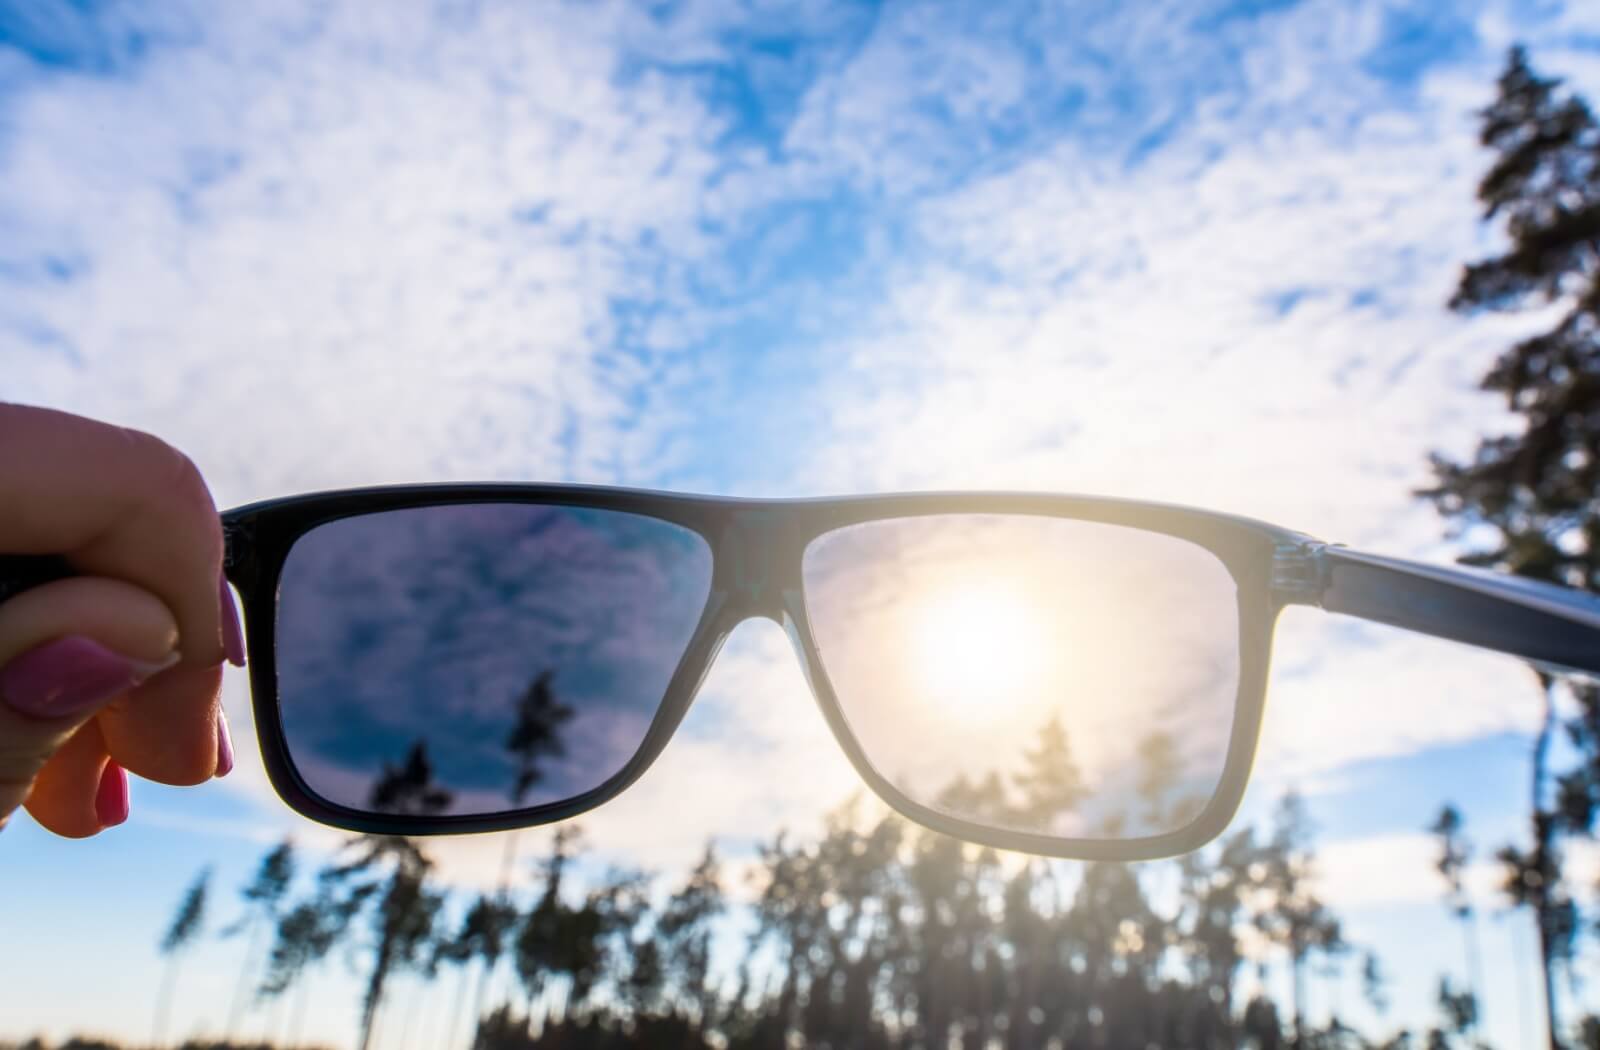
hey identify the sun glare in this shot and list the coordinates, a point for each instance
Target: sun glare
(979, 650)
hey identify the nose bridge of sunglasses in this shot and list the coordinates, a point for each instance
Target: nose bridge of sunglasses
(758, 563)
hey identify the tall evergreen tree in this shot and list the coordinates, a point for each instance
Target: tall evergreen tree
(263, 898)
(484, 931)
(1530, 496)
(1454, 853)
(387, 877)
(306, 933)
(1050, 783)
(187, 924)
(1294, 917)
(536, 733)
(684, 931)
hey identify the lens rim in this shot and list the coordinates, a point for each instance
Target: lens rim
(757, 549)
(1244, 554)
(259, 539)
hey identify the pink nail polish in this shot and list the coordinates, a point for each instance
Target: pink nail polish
(111, 798)
(69, 676)
(232, 634)
(224, 747)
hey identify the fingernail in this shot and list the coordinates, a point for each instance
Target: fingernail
(69, 676)
(224, 747)
(232, 636)
(111, 799)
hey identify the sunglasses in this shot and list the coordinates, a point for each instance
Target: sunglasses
(1060, 675)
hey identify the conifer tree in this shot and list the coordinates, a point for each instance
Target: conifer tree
(1532, 496)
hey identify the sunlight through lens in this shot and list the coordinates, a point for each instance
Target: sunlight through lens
(977, 647)
(1041, 674)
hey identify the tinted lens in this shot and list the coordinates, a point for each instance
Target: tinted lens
(1038, 674)
(479, 658)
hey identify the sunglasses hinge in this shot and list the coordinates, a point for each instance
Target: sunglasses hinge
(1299, 572)
(238, 548)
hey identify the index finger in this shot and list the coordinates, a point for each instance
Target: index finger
(115, 502)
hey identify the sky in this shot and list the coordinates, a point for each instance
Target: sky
(1193, 252)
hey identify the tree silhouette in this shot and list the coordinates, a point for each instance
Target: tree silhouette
(484, 931)
(186, 926)
(1214, 889)
(409, 788)
(1158, 776)
(387, 879)
(876, 935)
(1049, 782)
(536, 733)
(263, 897)
(683, 931)
(538, 951)
(306, 933)
(1529, 496)
(1294, 917)
(1374, 983)
(1454, 853)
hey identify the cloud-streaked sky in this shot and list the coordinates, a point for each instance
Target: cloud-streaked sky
(1195, 252)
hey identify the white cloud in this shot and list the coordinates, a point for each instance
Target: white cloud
(299, 252)
(1383, 871)
(1252, 319)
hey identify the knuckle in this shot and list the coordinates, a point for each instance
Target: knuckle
(177, 483)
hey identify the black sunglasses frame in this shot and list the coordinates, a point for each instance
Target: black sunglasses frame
(757, 548)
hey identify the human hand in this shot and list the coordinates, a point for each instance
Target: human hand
(118, 668)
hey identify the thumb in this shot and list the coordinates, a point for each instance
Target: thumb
(66, 650)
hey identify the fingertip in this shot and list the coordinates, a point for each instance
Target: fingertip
(66, 795)
(232, 633)
(111, 800)
(166, 729)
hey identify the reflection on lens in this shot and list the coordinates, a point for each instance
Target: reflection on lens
(1039, 674)
(479, 658)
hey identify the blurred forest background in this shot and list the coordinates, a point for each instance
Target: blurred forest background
(882, 935)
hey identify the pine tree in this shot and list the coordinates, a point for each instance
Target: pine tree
(388, 878)
(1050, 782)
(187, 923)
(1532, 492)
(1454, 853)
(1295, 918)
(263, 897)
(536, 733)
(684, 934)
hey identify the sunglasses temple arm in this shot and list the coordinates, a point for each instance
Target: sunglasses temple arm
(1557, 629)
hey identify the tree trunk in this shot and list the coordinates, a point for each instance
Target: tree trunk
(169, 980)
(409, 1025)
(1297, 963)
(507, 860)
(251, 951)
(1544, 835)
(369, 1011)
(1469, 930)
(455, 1015)
(297, 1024)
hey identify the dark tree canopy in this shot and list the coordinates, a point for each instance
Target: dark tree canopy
(1538, 488)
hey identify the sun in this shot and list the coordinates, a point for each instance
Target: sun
(979, 649)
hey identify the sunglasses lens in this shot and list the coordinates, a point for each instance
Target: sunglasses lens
(473, 659)
(1066, 678)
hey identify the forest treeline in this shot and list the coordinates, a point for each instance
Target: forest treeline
(877, 934)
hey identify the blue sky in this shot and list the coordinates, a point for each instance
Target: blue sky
(1181, 251)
